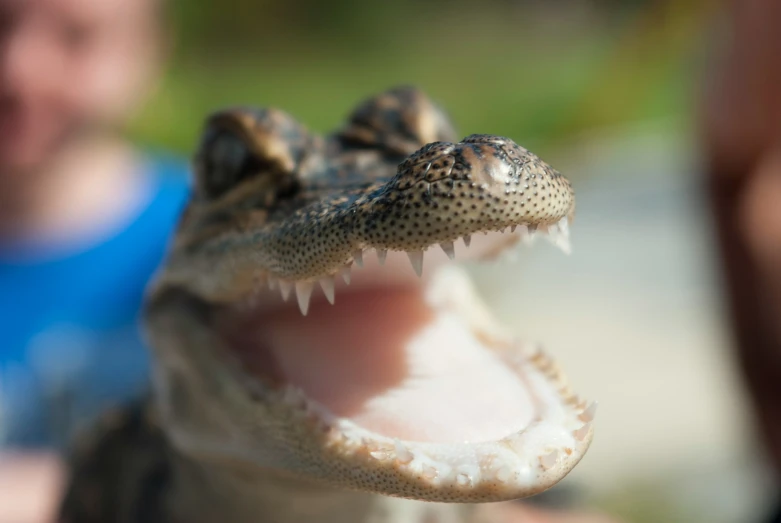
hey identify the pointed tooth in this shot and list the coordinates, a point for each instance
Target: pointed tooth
(285, 287)
(564, 226)
(449, 249)
(467, 240)
(582, 432)
(504, 473)
(272, 283)
(345, 272)
(403, 454)
(529, 237)
(416, 259)
(303, 293)
(429, 472)
(358, 257)
(549, 460)
(381, 254)
(327, 284)
(380, 455)
(589, 413)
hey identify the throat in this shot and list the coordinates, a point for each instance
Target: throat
(391, 363)
(217, 492)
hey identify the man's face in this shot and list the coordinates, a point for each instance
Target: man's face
(67, 66)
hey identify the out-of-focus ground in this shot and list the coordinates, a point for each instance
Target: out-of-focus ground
(606, 91)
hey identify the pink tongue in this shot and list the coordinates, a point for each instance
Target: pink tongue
(387, 361)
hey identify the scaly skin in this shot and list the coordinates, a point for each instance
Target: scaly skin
(238, 432)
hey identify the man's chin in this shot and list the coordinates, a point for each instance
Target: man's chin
(27, 147)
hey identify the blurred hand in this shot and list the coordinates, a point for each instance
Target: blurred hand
(30, 487)
(742, 129)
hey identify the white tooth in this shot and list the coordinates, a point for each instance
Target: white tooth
(380, 455)
(416, 258)
(403, 454)
(303, 293)
(564, 226)
(588, 414)
(582, 432)
(542, 228)
(549, 460)
(272, 283)
(381, 254)
(467, 240)
(285, 287)
(358, 257)
(523, 231)
(559, 237)
(504, 473)
(327, 284)
(449, 249)
(345, 272)
(529, 237)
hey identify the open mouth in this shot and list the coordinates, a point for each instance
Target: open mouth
(407, 385)
(404, 385)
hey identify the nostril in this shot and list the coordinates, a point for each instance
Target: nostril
(496, 170)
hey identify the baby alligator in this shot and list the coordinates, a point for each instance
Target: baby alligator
(405, 392)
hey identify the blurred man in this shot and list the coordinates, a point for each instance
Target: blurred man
(84, 216)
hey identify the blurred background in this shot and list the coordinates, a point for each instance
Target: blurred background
(545, 72)
(608, 91)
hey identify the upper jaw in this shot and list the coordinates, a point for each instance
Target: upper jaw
(442, 193)
(379, 267)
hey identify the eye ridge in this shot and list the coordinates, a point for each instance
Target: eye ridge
(225, 161)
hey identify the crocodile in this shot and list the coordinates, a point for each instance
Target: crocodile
(403, 393)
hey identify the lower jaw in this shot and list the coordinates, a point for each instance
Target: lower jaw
(421, 378)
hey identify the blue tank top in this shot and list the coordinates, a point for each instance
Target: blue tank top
(70, 343)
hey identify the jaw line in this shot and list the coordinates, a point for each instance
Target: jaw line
(372, 268)
(523, 461)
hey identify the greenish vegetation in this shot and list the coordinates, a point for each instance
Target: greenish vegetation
(528, 70)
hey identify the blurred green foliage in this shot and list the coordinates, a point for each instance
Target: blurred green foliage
(537, 71)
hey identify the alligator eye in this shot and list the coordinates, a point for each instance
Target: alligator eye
(223, 161)
(243, 143)
(399, 121)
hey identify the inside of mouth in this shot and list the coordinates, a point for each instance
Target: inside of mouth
(389, 361)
